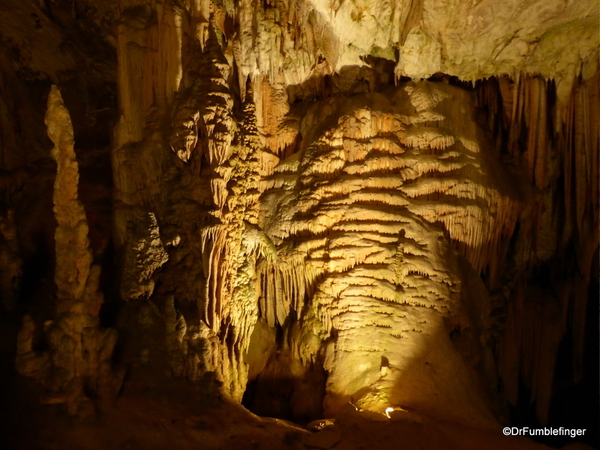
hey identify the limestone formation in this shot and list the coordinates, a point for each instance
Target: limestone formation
(144, 255)
(79, 353)
(386, 198)
(370, 271)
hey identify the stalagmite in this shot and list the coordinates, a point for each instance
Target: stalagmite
(79, 355)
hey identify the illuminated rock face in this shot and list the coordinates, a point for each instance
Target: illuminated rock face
(359, 205)
(362, 216)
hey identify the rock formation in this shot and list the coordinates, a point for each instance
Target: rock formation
(363, 227)
(303, 206)
(79, 351)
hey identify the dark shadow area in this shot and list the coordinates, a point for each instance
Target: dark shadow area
(287, 390)
(577, 405)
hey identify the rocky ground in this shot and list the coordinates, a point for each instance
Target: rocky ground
(176, 419)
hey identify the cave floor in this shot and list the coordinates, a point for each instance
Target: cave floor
(176, 420)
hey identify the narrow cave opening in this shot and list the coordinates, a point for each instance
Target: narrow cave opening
(280, 385)
(287, 390)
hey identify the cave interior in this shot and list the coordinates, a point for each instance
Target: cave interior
(299, 224)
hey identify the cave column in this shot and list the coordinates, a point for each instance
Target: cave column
(79, 355)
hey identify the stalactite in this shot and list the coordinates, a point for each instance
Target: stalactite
(232, 245)
(553, 144)
(149, 42)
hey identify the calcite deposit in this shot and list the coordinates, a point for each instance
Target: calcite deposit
(79, 352)
(363, 228)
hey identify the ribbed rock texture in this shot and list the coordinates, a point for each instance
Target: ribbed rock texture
(363, 216)
(314, 203)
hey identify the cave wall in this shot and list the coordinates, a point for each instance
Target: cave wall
(285, 209)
